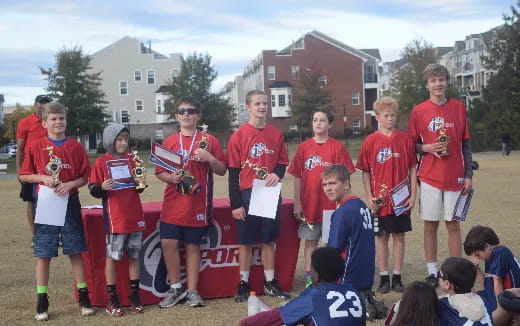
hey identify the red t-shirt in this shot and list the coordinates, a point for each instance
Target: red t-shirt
(265, 148)
(185, 209)
(388, 159)
(123, 210)
(73, 157)
(30, 129)
(446, 173)
(307, 164)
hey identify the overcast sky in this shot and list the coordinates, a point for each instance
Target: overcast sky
(232, 32)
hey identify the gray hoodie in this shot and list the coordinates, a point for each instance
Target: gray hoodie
(109, 136)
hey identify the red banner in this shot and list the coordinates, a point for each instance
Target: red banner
(219, 271)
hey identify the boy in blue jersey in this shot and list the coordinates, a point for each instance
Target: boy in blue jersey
(324, 303)
(461, 306)
(502, 269)
(351, 229)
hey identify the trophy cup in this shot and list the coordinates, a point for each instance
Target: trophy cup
(380, 200)
(443, 138)
(261, 172)
(54, 166)
(203, 142)
(139, 172)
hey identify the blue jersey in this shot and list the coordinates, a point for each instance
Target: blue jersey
(326, 304)
(502, 264)
(351, 229)
(451, 317)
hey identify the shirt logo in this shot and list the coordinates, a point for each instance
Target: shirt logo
(436, 124)
(384, 154)
(314, 161)
(259, 149)
(200, 217)
(140, 224)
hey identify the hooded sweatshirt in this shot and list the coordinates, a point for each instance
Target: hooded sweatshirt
(122, 208)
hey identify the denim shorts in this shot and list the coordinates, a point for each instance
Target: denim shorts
(131, 243)
(46, 237)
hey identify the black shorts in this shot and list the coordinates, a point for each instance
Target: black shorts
(27, 192)
(394, 224)
(256, 229)
(188, 234)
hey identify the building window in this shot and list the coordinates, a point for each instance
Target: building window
(355, 98)
(159, 106)
(295, 72)
(281, 100)
(273, 100)
(289, 99)
(323, 81)
(175, 73)
(125, 117)
(123, 87)
(137, 76)
(370, 77)
(150, 77)
(139, 105)
(241, 107)
(356, 127)
(271, 73)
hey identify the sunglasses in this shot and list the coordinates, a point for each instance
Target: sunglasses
(188, 111)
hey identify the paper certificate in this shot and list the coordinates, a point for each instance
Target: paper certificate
(51, 208)
(399, 195)
(119, 171)
(325, 226)
(264, 200)
(462, 207)
(165, 158)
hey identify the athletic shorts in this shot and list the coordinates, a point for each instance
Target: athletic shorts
(27, 192)
(394, 224)
(433, 202)
(46, 237)
(131, 243)
(188, 234)
(256, 229)
(305, 232)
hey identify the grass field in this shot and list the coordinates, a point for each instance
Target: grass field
(495, 204)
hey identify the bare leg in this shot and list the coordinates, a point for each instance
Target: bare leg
(268, 255)
(310, 246)
(192, 264)
(110, 271)
(430, 240)
(398, 250)
(172, 260)
(454, 239)
(245, 256)
(42, 271)
(76, 262)
(133, 269)
(382, 251)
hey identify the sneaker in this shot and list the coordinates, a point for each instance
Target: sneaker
(308, 281)
(113, 308)
(242, 292)
(397, 285)
(384, 285)
(273, 289)
(42, 307)
(173, 297)
(433, 280)
(84, 302)
(135, 304)
(194, 299)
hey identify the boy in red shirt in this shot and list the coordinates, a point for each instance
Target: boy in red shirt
(439, 129)
(123, 214)
(256, 151)
(72, 168)
(186, 216)
(311, 158)
(387, 158)
(29, 130)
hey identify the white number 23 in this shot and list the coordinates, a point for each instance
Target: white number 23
(351, 296)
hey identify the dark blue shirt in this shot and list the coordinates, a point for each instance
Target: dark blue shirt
(502, 264)
(451, 317)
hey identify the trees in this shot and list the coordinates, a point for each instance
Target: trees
(195, 79)
(498, 110)
(71, 84)
(12, 121)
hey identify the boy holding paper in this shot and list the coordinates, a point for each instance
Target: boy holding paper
(59, 165)
(256, 151)
(388, 162)
(310, 203)
(112, 180)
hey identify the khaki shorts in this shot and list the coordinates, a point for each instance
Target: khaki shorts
(433, 201)
(304, 232)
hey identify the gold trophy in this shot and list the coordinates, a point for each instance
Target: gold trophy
(139, 172)
(54, 166)
(380, 200)
(304, 219)
(444, 139)
(203, 142)
(261, 172)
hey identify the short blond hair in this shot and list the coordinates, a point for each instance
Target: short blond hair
(53, 107)
(338, 171)
(385, 102)
(435, 70)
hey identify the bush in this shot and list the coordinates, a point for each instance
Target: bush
(100, 149)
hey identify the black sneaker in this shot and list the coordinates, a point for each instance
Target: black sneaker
(433, 280)
(42, 307)
(242, 292)
(384, 285)
(397, 285)
(273, 289)
(84, 302)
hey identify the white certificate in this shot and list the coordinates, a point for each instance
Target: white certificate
(401, 193)
(51, 208)
(325, 227)
(120, 172)
(264, 200)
